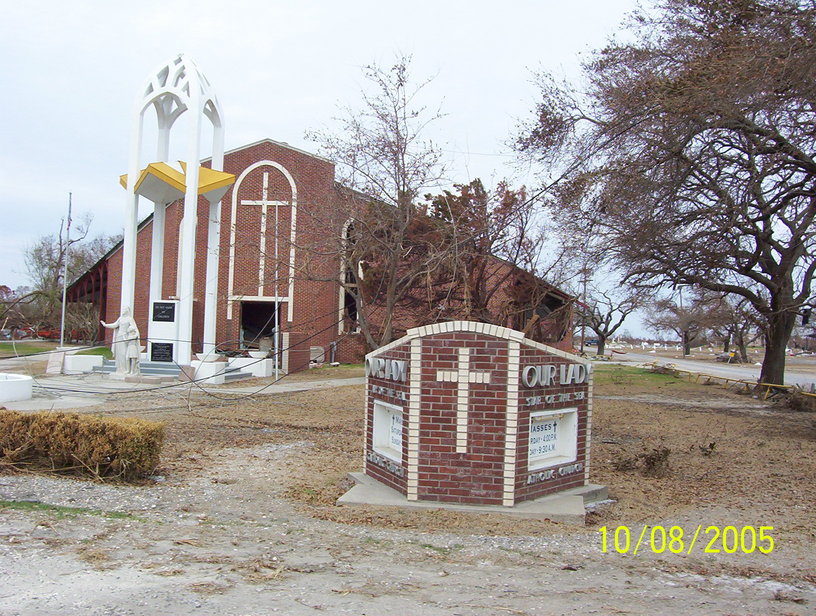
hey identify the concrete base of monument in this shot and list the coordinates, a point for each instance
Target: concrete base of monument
(142, 378)
(147, 380)
(567, 507)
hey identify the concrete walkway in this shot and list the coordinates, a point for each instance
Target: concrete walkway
(85, 390)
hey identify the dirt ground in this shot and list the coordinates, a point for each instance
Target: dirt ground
(240, 517)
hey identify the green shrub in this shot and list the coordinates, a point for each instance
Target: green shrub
(104, 447)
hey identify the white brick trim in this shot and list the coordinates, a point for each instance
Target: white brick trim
(463, 377)
(511, 435)
(480, 328)
(414, 395)
(590, 386)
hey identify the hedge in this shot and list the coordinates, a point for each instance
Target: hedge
(104, 447)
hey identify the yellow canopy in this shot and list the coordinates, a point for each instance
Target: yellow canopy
(162, 183)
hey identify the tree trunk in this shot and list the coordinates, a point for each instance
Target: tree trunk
(727, 343)
(743, 349)
(686, 344)
(777, 335)
(601, 345)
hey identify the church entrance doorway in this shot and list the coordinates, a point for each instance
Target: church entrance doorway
(260, 325)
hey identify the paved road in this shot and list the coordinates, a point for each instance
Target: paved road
(798, 376)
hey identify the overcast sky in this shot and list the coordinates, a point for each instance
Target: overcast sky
(72, 72)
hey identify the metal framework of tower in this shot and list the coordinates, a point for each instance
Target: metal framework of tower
(173, 89)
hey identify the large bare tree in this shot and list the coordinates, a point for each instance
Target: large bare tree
(734, 322)
(691, 152)
(386, 161)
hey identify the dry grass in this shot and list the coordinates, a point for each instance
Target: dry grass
(751, 467)
(728, 461)
(800, 401)
(327, 372)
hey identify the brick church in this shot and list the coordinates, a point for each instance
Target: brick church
(273, 283)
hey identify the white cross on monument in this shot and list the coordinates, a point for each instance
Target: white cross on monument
(463, 377)
(265, 203)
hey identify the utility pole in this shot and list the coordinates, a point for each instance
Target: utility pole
(65, 272)
(683, 325)
(584, 280)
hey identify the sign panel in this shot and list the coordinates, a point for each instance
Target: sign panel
(472, 413)
(388, 430)
(161, 351)
(164, 312)
(553, 438)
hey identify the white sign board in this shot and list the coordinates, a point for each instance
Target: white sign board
(163, 331)
(553, 438)
(387, 430)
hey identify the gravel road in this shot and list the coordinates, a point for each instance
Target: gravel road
(224, 541)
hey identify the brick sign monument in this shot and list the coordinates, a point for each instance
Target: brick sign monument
(475, 414)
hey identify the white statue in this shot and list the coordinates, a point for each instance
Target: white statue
(126, 346)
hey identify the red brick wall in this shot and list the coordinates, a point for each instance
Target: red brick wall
(322, 211)
(351, 348)
(298, 352)
(142, 287)
(315, 302)
(475, 476)
(527, 491)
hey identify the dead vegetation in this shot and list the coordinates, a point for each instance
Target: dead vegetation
(104, 448)
(666, 448)
(653, 462)
(801, 401)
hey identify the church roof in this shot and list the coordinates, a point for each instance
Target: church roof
(281, 144)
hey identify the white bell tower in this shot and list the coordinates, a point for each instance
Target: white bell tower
(173, 89)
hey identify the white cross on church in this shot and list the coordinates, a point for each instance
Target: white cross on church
(265, 203)
(463, 377)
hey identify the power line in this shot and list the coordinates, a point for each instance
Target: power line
(196, 382)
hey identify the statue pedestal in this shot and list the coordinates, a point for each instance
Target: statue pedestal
(258, 367)
(209, 372)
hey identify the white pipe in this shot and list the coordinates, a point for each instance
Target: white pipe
(65, 272)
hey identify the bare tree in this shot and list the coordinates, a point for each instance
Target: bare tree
(604, 309)
(45, 261)
(12, 304)
(687, 319)
(692, 153)
(604, 300)
(734, 322)
(82, 322)
(386, 162)
(468, 253)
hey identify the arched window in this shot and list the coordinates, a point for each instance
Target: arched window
(349, 281)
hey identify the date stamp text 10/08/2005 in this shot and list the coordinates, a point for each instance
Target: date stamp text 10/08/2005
(675, 539)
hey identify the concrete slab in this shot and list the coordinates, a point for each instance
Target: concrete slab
(52, 404)
(148, 380)
(567, 507)
(55, 363)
